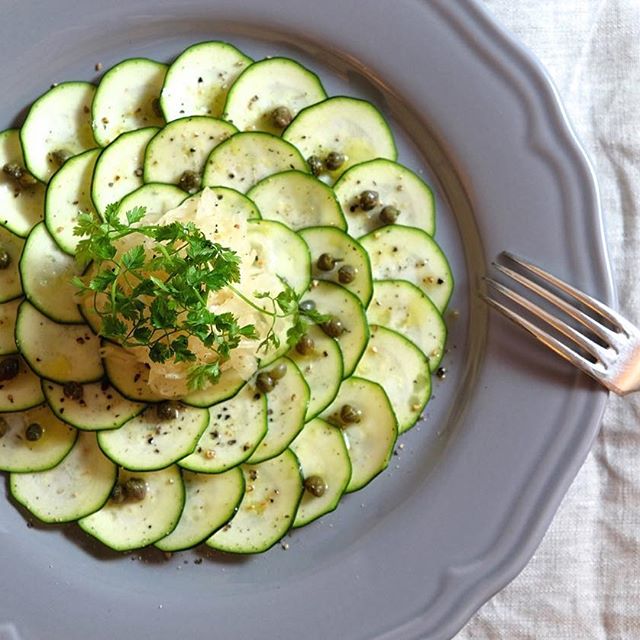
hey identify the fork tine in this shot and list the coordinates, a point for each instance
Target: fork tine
(605, 334)
(595, 305)
(550, 341)
(582, 341)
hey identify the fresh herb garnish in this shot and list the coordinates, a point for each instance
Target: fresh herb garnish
(155, 294)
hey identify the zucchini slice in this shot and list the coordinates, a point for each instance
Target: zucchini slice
(401, 369)
(348, 126)
(21, 392)
(76, 487)
(147, 442)
(322, 452)
(281, 251)
(402, 307)
(235, 428)
(248, 157)
(120, 168)
(10, 285)
(322, 369)
(68, 194)
(405, 253)
(268, 508)
(58, 352)
(21, 201)
(46, 273)
(338, 303)
(131, 523)
(8, 316)
(178, 152)
(267, 85)
(199, 78)
(298, 200)
(127, 98)
(352, 269)
(229, 202)
(370, 441)
(211, 501)
(157, 198)
(34, 440)
(57, 127)
(396, 186)
(99, 406)
(287, 405)
(229, 383)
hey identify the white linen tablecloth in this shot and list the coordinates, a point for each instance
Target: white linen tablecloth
(584, 581)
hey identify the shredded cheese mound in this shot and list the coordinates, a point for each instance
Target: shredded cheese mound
(229, 228)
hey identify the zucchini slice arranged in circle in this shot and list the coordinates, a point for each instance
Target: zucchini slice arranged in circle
(10, 284)
(8, 317)
(270, 93)
(22, 391)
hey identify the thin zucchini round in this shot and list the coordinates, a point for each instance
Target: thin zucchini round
(21, 392)
(10, 284)
(8, 317)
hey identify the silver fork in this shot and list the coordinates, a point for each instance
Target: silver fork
(608, 351)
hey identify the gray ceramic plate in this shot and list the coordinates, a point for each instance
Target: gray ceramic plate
(473, 488)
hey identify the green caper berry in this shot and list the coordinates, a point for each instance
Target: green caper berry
(9, 368)
(350, 414)
(13, 170)
(59, 156)
(347, 274)
(135, 489)
(34, 432)
(167, 411)
(156, 107)
(4, 427)
(189, 181)
(117, 494)
(335, 160)
(333, 328)
(326, 262)
(5, 259)
(315, 165)
(73, 391)
(307, 305)
(264, 382)
(305, 345)
(279, 371)
(368, 200)
(281, 117)
(389, 214)
(315, 485)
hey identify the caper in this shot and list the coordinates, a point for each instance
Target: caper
(73, 391)
(350, 414)
(135, 489)
(368, 200)
(281, 117)
(117, 494)
(335, 160)
(347, 274)
(326, 262)
(305, 345)
(279, 371)
(315, 485)
(5, 259)
(13, 169)
(315, 165)
(189, 181)
(389, 214)
(156, 107)
(33, 432)
(9, 368)
(167, 411)
(264, 382)
(307, 305)
(333, 328)
(4, 427)
(59, 156)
